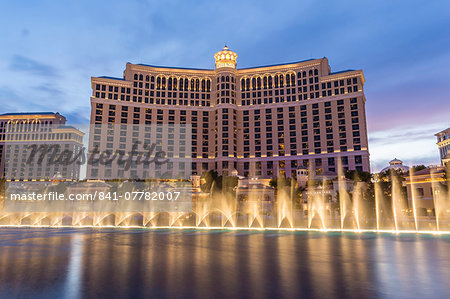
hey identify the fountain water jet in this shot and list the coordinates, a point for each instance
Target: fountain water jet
(357, 206)
(224, 210)
(413, 198)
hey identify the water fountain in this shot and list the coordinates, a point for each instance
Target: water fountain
(353, 212)
(413, 198)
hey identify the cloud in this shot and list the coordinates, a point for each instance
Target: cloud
(78, 116)
(49, 89)
(9, 99)
(413, 145)
(24, 64)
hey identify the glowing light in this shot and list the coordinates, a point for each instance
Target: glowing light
(225, 58)
(281, 229)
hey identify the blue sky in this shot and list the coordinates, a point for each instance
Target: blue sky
(50, 49)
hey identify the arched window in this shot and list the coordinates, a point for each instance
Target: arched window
(141, 77)
(243, 84)
(288, 80)
(163, 83)
(208, 85)
(276, 81)
(299, 75)
(304, 74)
(186, 84)
(175, 85)
(158, 83)
(316, 72)
(203, 85)
(227, 78)
(147, 78)
(310, 72)
(152, 79)
(265, 82)
(292, 79)
(223, 78)
(169, 84)
(197, 85)
(281, 80)
(181, 83)
(247, 84)
(258, 81)
(270, 82)
(192, 85)
(253, 84)
(135, 76)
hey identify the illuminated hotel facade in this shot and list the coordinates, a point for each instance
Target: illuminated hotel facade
(261, 121)
(19, 131)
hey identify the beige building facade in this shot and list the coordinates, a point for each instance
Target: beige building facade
(443, 143)
(19, 132)
(263, 121)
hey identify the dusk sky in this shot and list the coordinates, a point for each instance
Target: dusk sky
(50, 49)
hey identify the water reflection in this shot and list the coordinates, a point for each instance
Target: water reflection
(199, 264)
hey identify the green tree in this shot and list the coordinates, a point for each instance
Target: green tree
(209, 178)
(359, 176)
(289, 186)
(416, 168)
(385, 180)
(213, 182)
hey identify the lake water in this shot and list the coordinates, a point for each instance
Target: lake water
(133, 263)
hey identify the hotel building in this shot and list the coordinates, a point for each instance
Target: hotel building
(261, 121)
(19, 131)
(443, 142)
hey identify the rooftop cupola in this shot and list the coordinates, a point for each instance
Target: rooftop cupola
(225, 58)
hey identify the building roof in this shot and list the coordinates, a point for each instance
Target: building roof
(172, 67)
(340, 72)
(395, 161)
(112, 78)
(278, 64)
(200, 69)
(442, 132)
(422, 172)
(430, 170)
(254, 186)
(66, 127)
(396, 164)
(30, 113)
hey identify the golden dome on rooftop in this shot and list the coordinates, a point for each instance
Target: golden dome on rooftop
(225, 58)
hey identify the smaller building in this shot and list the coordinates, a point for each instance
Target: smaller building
(253, 191)
(422, 185)
(23, 121)
(38, 146)
(396, 164)
(302, 176)
(443, 142)
(341, 184)
(196, 181)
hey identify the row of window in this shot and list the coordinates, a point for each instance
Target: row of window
(269, 167)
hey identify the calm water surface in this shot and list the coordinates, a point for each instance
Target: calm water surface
(88, 263)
